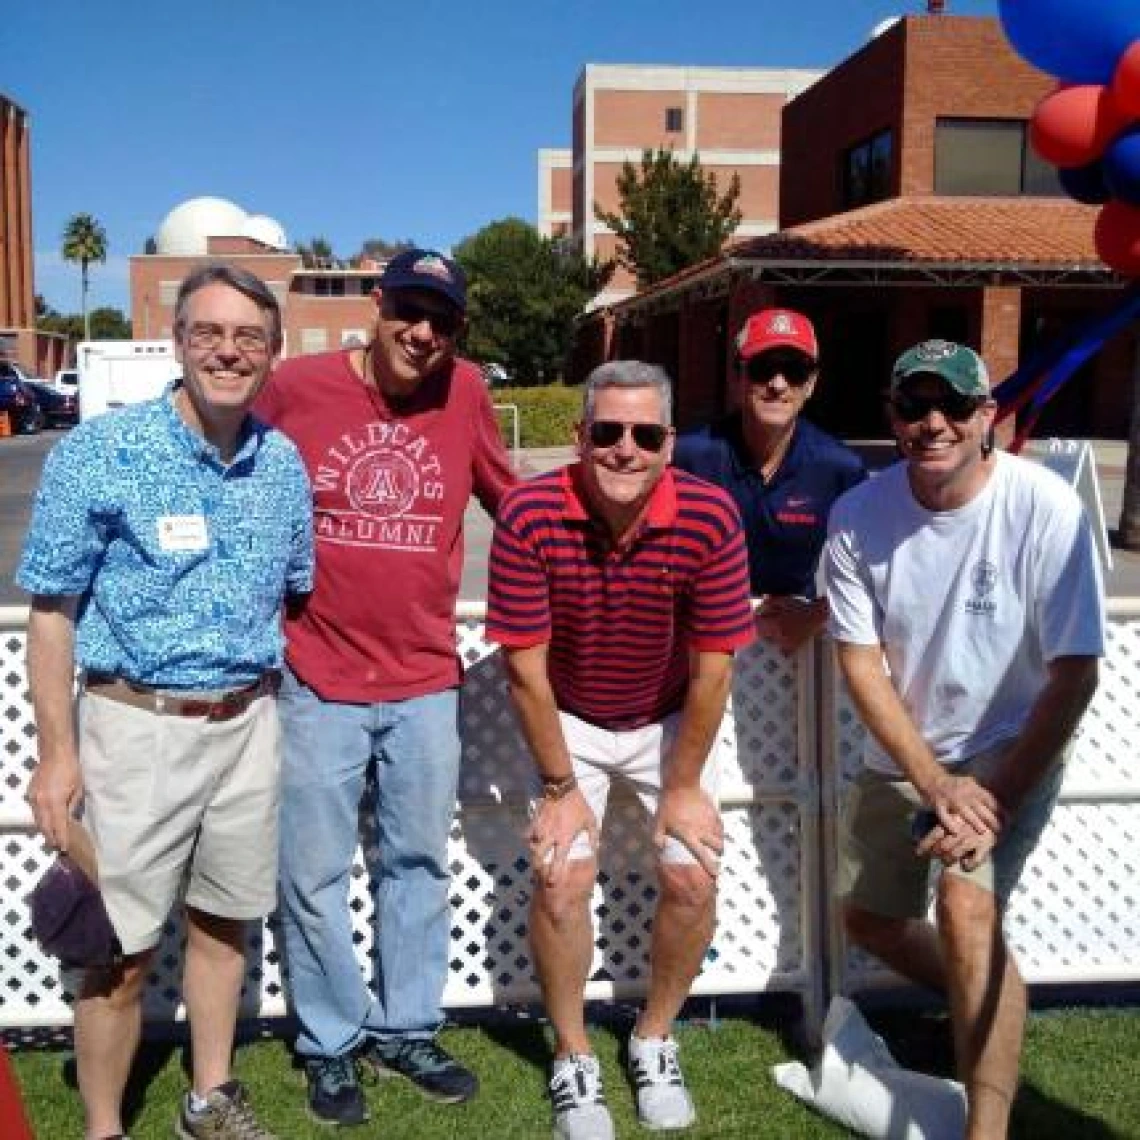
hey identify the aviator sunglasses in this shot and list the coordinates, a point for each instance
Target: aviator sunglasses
(953, 405)
(444, 322)
(796, 370)
(648, 437)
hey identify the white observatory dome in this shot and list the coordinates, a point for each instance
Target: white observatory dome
(185, 229)
(267, 230)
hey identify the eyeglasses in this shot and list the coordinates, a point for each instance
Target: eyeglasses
(953, 405)
(796, 370)
(444, 322)
(247, 340)
(648, 437)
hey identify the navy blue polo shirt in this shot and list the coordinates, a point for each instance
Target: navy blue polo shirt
(785, 519)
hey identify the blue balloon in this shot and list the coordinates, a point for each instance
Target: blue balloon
(1076, 40)
(1122, 166)
(1085, 183)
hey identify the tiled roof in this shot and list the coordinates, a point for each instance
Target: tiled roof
(1026, 232)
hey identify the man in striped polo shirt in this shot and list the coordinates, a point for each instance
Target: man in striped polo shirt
(619, 592)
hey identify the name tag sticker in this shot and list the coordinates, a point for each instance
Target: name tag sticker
(182, 532)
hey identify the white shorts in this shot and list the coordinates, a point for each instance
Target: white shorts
(635, 756)
(171, 802)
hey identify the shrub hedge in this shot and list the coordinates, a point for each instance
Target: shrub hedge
(547, 414)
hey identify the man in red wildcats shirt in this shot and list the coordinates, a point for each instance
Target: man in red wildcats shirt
(396, 437)
(619, 592)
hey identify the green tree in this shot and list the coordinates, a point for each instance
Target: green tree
(110, 324)
(317, 253)
(524, 292)
(671, 215)
(380, 249)
(84, 241)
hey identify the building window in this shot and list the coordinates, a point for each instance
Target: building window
(168, 292)
(314, 340)
(989, 156)
(866, 171)
(674, 119)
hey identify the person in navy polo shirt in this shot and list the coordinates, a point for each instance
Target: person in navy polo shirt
(781, 470)
(618, 589)
(164, 539)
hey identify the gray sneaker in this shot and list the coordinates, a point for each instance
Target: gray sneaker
(228, 1115)
(580, 1111)
(663, 1102)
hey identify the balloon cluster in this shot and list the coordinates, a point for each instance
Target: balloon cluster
(1089, 128)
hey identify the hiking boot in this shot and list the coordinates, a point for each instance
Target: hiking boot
(424, 1062)
(579, 1104)
(335, 1096)
(663, 1102)
(228, 1115)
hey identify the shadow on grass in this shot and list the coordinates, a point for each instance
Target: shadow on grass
(150, 1060)
(920, 1039)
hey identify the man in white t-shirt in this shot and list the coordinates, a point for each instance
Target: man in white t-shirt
(967, 606)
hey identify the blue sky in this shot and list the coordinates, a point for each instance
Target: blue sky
(346, 118)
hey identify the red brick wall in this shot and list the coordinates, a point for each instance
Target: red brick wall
(952, 66)
(959, 67)
(637, 118)
(738, 121)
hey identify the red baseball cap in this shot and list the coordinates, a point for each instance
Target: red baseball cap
(776, 328)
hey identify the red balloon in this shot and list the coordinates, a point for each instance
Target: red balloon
(1126, 81)
(1073, 125)
(1117, 237)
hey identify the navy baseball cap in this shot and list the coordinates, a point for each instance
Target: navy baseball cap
(427, 269)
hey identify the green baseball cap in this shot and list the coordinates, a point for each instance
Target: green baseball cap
(961, 367)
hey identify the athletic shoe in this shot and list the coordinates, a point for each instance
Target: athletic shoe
(580, 1111)
(663, 1102)
(335, 1096)
(424, 1062)
(228, 1115)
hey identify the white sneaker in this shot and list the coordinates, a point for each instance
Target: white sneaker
(663, 1102)
(580, 1111)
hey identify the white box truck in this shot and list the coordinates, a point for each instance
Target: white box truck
(114, 373)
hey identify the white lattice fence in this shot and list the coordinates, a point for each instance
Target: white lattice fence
(1075, 916)
(767, 936)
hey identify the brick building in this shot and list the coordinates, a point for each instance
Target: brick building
(40, 354)
(729, 117)
(911, 206)
(322, 307)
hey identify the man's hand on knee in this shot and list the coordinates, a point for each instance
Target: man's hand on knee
(553, 830)
(689, 816)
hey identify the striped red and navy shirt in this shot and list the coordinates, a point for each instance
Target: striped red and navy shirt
(620, 621)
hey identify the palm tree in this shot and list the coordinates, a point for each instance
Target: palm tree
(84, 241)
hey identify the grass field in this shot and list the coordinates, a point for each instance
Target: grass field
(1081, 1081)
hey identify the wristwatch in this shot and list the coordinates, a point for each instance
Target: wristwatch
(555, 788)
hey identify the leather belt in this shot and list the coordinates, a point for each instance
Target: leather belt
(209, 706)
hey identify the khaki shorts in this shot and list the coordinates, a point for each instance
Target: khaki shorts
(878, 869)
(172, 801)
(634, 755)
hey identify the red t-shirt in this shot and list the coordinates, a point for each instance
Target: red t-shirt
(391, 480)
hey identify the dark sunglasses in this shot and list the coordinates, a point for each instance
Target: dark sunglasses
(648, 437)
(796, 370)
(953, 405)
(444, 322)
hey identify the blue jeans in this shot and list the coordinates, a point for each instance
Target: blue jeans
(328, 748)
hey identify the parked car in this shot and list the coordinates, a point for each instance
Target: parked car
(60, 408)
(67, 380)
(18, 400)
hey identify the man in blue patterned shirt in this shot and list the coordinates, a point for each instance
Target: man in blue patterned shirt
(164, 539)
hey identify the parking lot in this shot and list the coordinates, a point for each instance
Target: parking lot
(22, 457)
